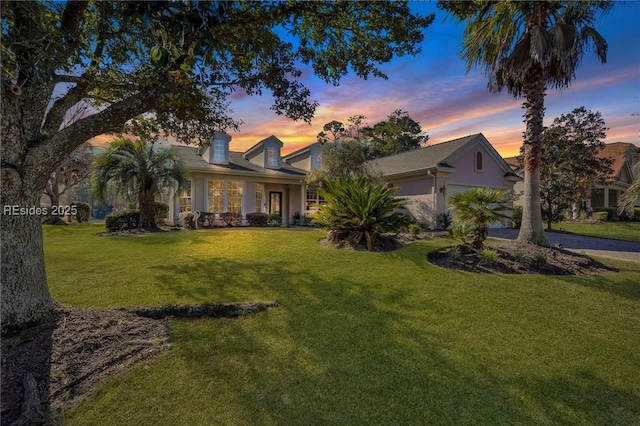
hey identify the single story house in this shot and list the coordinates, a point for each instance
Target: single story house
(624, 156)
(262, 180)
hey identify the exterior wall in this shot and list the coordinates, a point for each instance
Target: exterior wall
(465, 174)
(418, 193)
(302, 161)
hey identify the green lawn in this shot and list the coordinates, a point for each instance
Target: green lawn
(627, 231)
(359, 338)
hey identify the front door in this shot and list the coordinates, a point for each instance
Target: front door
(275, 203)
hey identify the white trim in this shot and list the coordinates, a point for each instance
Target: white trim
(225, 201)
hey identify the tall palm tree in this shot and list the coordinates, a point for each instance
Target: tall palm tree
(480, 207)
(632, 194)
(138, 168)
(525, 47)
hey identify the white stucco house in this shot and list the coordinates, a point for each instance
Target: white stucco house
(260, 179)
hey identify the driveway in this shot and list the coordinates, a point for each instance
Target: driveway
(624, 250)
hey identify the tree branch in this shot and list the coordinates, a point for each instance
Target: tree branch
(44, 157)
(70, 23)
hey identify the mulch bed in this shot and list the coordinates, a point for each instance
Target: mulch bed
(68, 357)
(516, 257)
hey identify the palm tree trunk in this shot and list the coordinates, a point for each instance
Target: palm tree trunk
(147, 209)
(531, 229)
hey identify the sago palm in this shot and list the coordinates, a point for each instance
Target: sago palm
(138, 168)
(629, 199)
(358, 211)
(526, 46)
(480, 207)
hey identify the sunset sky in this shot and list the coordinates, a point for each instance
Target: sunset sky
(449, 103)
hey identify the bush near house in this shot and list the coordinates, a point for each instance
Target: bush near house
(83, 211)
(274, 220)
(360, 213)
(257, 219)
(122, 220)
(601, 216)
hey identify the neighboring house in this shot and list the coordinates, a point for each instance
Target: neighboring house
(428, 177)
(624, 156)
(261, 180)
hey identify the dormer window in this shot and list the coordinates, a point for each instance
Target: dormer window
(478, 161)
(273, 159)
(218, 150)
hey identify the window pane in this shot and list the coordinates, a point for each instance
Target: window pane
(216, 197)
(184, 199)
(259, 197)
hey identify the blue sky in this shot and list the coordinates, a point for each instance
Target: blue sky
(450, 103)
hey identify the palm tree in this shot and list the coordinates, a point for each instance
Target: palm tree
(632, 194)
(359, 211)
(526, 46)
(140, 169)
(480, 207)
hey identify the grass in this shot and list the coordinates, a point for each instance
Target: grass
(626, 231)
(359, 338)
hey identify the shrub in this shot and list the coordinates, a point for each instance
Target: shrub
(161, 212)
(539, 259)
(257, 219)
(231, 218)
(601, 216)
(516, 216)
(83, 211)
(414, 229)
(480, 207)
(612, 213)
(360, 213)
(454, 252)
(488, 256)
(444, 220)
(122, 220)
(461, 232)
(274, 220)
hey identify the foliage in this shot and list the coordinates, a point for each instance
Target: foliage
(359, 212)
(71, 172)
(462, 232)
(570, 166)
(444, 220)
(600, 216)
(399, 133)
(344, 153)
(257, 219)
(161, 211)
(231, 218)
(516, 216)
(480, 207)
(454, 252)
(526, 46)
(489, 256)
(83, 211)
(631, 196)
(141, 169)
(414, 229)
(122, 220)
(274, 220)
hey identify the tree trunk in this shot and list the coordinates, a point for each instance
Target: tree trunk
(531, 229)
(147, 210)
(25, 294)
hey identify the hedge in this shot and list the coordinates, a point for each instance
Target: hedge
(83, 211)
(122, 220)
(257, 219)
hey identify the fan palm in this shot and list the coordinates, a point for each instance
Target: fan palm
(358, 210)
(480, 207)
(632, 194)
(138, 168)
(525, 46)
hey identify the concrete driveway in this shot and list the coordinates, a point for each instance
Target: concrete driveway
(624, 250)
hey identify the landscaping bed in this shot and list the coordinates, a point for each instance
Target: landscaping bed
(514, 257)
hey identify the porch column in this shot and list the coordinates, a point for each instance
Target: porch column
(606, 196)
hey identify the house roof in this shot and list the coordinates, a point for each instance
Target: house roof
(431, 157)
(238, 165)
(256, 147)
(300, 151)
(513, 161)
(618, 152)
